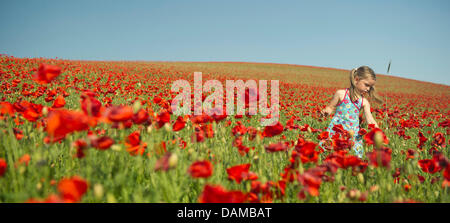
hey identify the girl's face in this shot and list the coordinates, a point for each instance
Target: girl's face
(363, 86)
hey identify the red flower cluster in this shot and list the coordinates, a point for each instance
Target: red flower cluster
(201, 169)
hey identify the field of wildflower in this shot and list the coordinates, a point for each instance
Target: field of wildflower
(104, 131)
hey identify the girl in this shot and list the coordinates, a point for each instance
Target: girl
(349, 102)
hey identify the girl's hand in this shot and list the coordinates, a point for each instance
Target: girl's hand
(326, 111)
(333, 103)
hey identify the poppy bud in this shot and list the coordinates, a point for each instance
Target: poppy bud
(351, 194)
(98, 191)
(136, 106)
(39, 186)
(374, 188)
(173, 160)
(110, 198)
(116, 147)
(361, 178)
(45, 111)
(167, 127)
(357, 194)
(378, 139)
(22, 169)
(149, 129)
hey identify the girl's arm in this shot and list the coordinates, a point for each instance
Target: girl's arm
(333, 103)
(368, 114)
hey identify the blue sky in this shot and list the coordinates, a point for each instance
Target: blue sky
(341, 34)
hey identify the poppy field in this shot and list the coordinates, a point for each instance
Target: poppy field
(104, 131)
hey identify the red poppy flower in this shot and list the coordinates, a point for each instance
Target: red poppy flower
(429, 166)
(199, 119)
(134, 139)
(141, 117)
(380, 157)
(219, 118)
(72, 189)
(323, 135)
(3, 166)
(445, 123)
(62, 122)
(241, 148)
(199, 135)
(441, 159)
(138, 150)
(307, 152)
(46, 73)
(163, 118)
(157, 100)
(18, 133)
(370, 137)
(239, 129)
(439, 140)
(340, 143)
(276, 147)
(290, 123)
(30, 111)
(201, 169)
(362, 132)
(102, 143)
(289, 174)
(91, 106)
(422, 140)
(134, 145)
(217, 194)
(252, 132)
(339, 129)
(208, 129)
(59, 102)
(80, 145)
(420, 178)
(270, 131)
(410, 154)
(311, 182)
(25, 159)
(6, 108)
(119, 113)
(52, 198)
(351, 161)
(446, 173)
(179, 124)
(163, 163)
(239, 172)
(281, 188)
(343, 160)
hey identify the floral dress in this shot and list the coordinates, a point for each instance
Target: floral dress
(347, 114)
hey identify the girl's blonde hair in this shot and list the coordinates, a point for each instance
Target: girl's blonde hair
(363, 72)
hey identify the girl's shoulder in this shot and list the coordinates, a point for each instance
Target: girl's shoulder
(341, 93)
(339, 96)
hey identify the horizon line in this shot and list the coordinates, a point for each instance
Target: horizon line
(248, 62)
